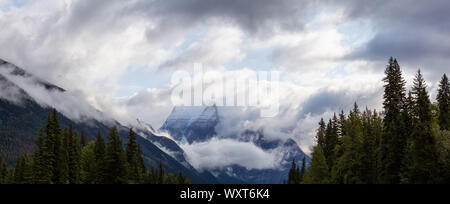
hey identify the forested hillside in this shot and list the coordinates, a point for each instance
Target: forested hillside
(407, 143)
(64, 156)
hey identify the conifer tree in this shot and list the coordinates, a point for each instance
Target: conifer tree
(182, 180)
(349, 166)
(302, 171)
(50, 141)
(151, 177)
(407, 163)
(318, 172)
(341, 126)
(60, 167)
(74, 157)
(331, 140)
(141, 161)
(83, 140)
(161, 174)
(339, 149)
(18, 171)
(320, 137)
(443, 99)
(116, 161)
(89, 165)
(23, 172)
(372, 129)
(42, 171)
(394, 139)
(425, 164)
(100, 156)
(133, 155)
(292, 174)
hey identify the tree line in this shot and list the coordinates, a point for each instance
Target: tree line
(63, 157)
(407, 143)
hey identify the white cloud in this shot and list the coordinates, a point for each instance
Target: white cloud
(220, 153)
(88, 47)
(66, 103)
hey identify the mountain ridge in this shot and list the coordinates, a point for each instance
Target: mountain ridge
(190, 125)
(21, 120)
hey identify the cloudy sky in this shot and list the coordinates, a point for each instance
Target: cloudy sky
(119, 55)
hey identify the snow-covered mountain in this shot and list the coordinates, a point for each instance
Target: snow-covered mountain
(191, 125)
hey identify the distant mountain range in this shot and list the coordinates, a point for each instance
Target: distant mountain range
(20, 122)
(22, 115)
(199, 124)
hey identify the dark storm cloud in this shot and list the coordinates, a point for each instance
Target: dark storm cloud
(335, 101)
(412, 46)
(415, 32)
(254, 16)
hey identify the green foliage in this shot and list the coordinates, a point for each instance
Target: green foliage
(89, 166)
(100, 155)
(134, 158)
(318, 172)
(160, 177)
(116, 162)
(42, 171)
(61, 157)
(408, 143)
(393, 143)
(372, 127)
(294, 174)
(74, 156)
(443, 99)
(348, 169)
(23, 172)
(425, 164)
(297, 174)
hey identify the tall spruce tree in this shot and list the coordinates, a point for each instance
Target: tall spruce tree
(100, 156)
(443, 99)
(60, 167)
(18, 171)
(331, 140)
(50, 141)
(89, 165)
(320, 137)
(83, 140)
(116, 161)
(23, 172)
(74, 157)
(394, 137)
(302, 170)
(42, 170)
(161, 174)
(141, 161)
(292, 174)
(317, 172)
(349, 166)
(341, 126)
(133, 155)
(372, 129)
(425, 164)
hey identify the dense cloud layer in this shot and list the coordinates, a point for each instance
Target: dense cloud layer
(17, 88)
(416, 33)
(331, 53)
(220, 153)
